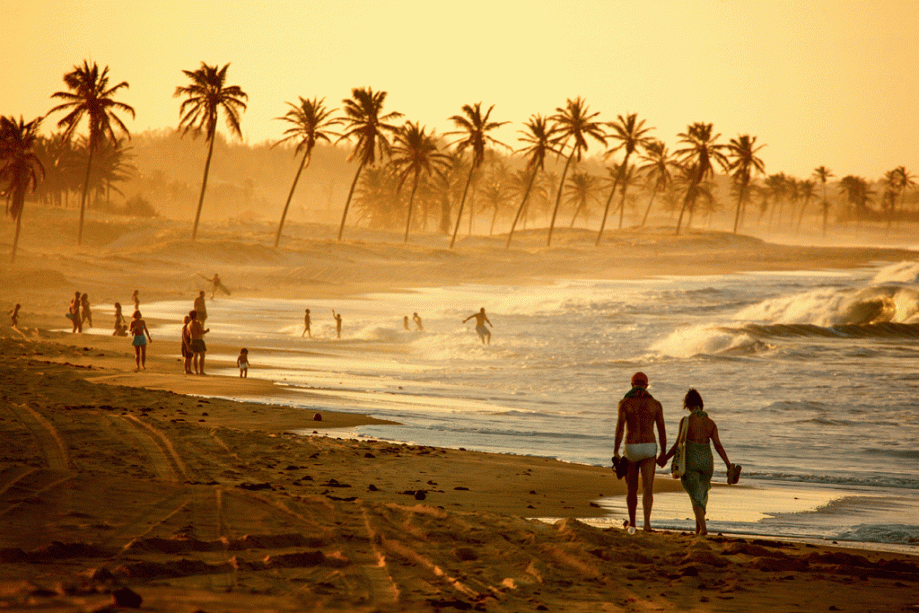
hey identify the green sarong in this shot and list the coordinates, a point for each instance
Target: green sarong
(700, 467)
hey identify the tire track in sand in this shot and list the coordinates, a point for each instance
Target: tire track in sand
(50, 441)
(164, 461)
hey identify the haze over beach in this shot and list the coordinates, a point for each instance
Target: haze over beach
(821, 83)
(719, 194)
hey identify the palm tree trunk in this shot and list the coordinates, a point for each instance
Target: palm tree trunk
(526, 195)
(801, 215)
(21, 197)
(411, 199)
(740, 201)
(625, 187)
(445, 213)
(609, 200)
(89, 163)
(344, 215)
(459, 215)
(690, 195)
(577, 212)
(290, 196)
(648, 210)
(558, 200)
(207, 168)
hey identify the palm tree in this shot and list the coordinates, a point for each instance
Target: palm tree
(903, 180)
(207, 94)
(90, 96)
(473, 127)
(376, 198)
(367, 125)
(309, 122)
(743, 164)
(631, 134)
(573, 123)
(582, 188)
(541, 140)
(858, 194)
(822, 173)
(777, 189)
(112, 165)
(805, 192)
(657, 168)
(697, 154)
(20, 168)
(415, 153)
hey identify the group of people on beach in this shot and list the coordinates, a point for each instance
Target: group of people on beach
(308, 323)
(193, 346)
(480, 320)
(639, 414)
(79, 312)
(193, 330)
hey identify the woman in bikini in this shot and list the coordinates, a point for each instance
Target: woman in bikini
(141, 336)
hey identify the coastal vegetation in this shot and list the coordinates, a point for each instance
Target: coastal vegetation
(708, 180)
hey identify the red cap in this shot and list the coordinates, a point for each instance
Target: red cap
(639, 379)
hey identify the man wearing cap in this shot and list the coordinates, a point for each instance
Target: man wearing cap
(639, 413)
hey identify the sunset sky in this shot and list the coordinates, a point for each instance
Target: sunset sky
(818, 82)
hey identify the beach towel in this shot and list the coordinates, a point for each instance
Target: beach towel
(678, 466)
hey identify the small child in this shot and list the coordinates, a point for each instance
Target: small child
(243, 362)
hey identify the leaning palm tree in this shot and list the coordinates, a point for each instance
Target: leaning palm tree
(309, 122)
(631, 134)
(743, 164)
(822, 173)
(656, 168)
(698, 152)
(473, 128)
(904, 180)
(367, 125)
(20, 168)
(90, 96)
(582, 191)
(207, 94)
(573, 123)
(541, 140)
(414, 154)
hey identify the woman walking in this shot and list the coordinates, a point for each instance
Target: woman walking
(141, 335)
(697, 430)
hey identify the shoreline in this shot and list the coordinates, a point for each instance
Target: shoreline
(251, 409)
(111, 480)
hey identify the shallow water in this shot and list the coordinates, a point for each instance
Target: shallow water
(811, 377)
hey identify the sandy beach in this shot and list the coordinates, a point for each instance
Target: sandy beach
(116, 484)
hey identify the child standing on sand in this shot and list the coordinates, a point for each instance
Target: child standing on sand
(243, 362)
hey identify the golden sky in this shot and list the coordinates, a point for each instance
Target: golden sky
(819, 82)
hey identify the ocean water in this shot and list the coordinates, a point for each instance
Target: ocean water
(812, 378)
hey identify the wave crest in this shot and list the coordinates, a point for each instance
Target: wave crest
(827, 307)
(706, 340)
